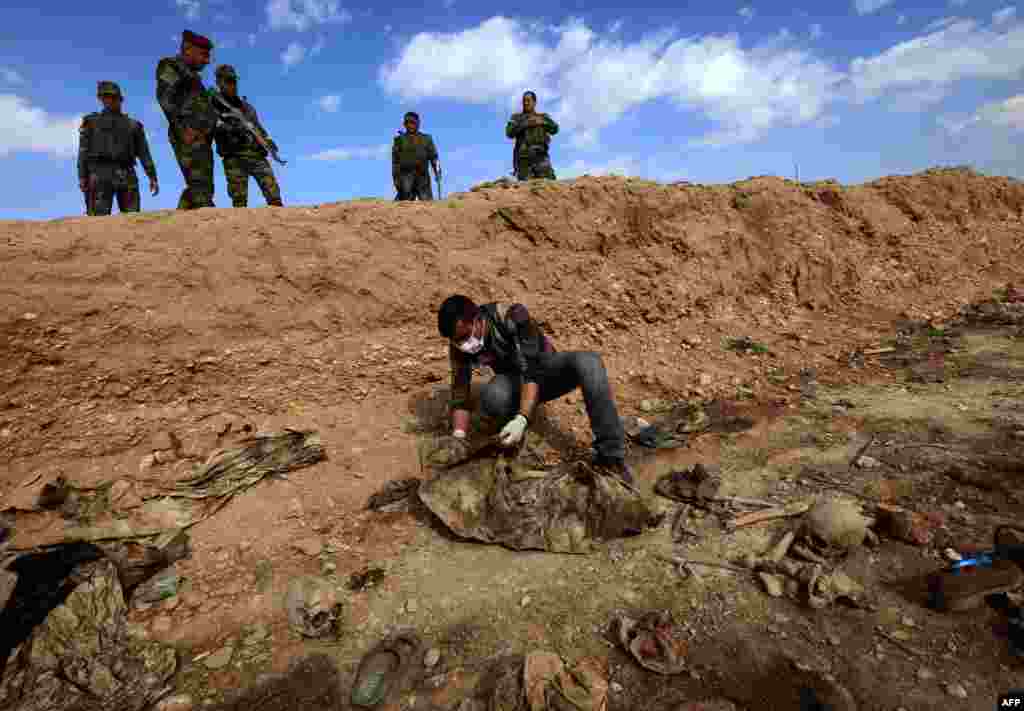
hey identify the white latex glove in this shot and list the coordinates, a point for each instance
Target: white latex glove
(513, 431)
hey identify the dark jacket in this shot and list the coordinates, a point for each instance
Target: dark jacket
(233, 139)
(110, 138)
(513, 343)
(183, 98)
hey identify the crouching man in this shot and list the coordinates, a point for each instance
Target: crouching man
(528, 371)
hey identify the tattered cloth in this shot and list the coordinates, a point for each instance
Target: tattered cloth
(102, 514)
(498, 500)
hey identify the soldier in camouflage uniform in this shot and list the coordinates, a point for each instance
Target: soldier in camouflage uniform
(191, 117)
(410, 154)
(241, 154)
(533, 132)
(109, 143)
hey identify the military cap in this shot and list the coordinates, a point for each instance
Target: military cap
(412, 115)
(108, 88)
(196, 40)
(226, 71)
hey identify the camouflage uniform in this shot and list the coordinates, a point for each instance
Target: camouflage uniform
(411, 153)
(530, 154)
(183, 98)
(109, 143)
(242, 155)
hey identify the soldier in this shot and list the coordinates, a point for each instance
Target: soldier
(533, 132)
(241, 154)
(410, 154)
(191, 117)
(109, 143)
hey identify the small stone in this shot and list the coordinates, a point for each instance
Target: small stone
(951, 555)
(772, 584)
(432, 657)
(901, 635)
(616, 687)
(866, 462)
(219, 659)
(525, 601)
(834, 640)
(29, 316)
(925, 674)
(960, 505)
(908, 622)
(178, 702)
(956, 690)
(309, 546)
(147, 463)
(705, 379)
(411, 605)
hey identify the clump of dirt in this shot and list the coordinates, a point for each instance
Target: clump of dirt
(134, 347)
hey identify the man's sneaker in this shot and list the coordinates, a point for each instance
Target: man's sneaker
(616, 467)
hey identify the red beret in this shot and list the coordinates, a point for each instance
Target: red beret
(196, 40)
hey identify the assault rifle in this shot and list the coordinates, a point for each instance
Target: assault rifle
(230, 112)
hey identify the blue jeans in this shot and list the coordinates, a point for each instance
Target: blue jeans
(561, 373)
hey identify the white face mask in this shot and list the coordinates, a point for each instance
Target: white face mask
(471, 345)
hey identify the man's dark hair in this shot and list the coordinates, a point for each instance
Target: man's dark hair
(530, 93)
(412, 115)
(456, 307)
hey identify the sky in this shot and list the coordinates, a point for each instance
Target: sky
(698, 90)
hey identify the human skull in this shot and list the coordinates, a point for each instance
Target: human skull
(836, 523)
(313, 607)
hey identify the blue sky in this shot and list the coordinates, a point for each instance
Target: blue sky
(701, 91)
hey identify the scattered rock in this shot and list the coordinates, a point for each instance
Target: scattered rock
(310, 546)
(525, 601)
(925, 674)
(908, 622)
(951, 555)
(705, 380)
(866, 462)
(834, 640)
(219, 659)
(616, 687)
(160, 587)
(773, 584)
(411, 605)
(956, 690)
(432, 657)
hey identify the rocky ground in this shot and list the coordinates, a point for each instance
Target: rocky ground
(125, 336)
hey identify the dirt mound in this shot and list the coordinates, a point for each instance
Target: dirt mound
(134, 346)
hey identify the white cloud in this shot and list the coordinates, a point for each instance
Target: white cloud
(866, 7)
(816, 31)
(359, 153)
(747, 13)
(615, 27)
(960, 49)
(626, 166)
(300, 15)
(329, 103)
(387, 29)
(9, 76)
(1004, 16)
(1007, 114)
(26, 128)
(191, 8)
(589, 82)
(293, 54)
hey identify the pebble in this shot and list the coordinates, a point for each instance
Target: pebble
(866, 462)
(432, 657)
(925, 674)
(219, 659)
(616, 687)
(956, 690)
(329, 568)
(705, 379)
(525, 601)
(908, 622)
(411, 605)
(834, 640)
(952, 555)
